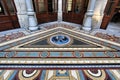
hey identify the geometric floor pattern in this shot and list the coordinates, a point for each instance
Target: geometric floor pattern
(82, 50)
(86, 74)
(78, 42)
(72, 54)
(39, 57)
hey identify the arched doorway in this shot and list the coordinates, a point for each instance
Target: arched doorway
(74, 10)
(116, 15)
(8, 16)
(46, 10)
(109, 12)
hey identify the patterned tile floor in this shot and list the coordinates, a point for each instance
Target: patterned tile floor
(11, 36)
(81, 74)
(108, 37)
(113, 36)
(47, 54)
(64, 74)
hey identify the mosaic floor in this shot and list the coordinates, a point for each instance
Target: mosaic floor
(37, 48)
(59, 52)
(108, 37)
(11, 36)
(79, 42)
(91, 74)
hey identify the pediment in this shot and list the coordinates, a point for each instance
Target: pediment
(41, 42)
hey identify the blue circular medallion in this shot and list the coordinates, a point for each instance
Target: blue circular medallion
(110, 54)
(77, 54)
(60, 40)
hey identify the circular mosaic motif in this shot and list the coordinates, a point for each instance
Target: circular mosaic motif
(110, 54)
(29, 73)
(77, 54)
(60, 40)
(44, 54)
(95, 74)
(10, 54)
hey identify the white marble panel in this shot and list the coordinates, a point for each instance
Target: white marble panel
(98, 13)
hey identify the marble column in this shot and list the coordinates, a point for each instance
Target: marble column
(59, 10)
(31, 16)
(87, 25)
(22, 13)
